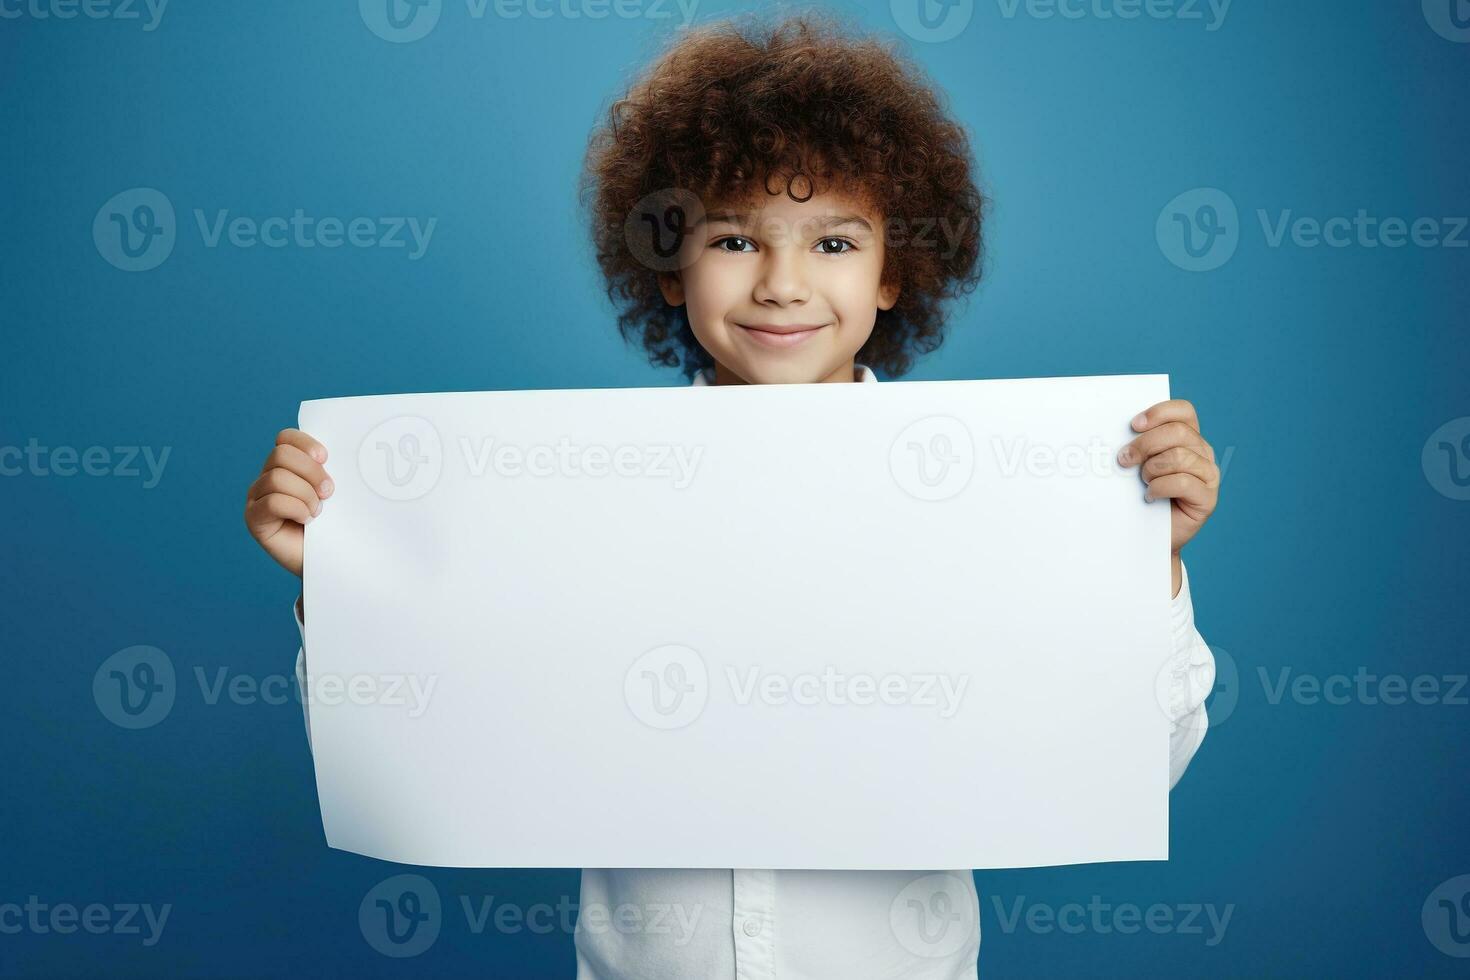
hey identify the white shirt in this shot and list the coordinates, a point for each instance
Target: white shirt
(745, 924)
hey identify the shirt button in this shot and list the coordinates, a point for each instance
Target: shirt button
(752, 928)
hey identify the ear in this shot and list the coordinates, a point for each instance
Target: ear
(887, 296)
(672, 287)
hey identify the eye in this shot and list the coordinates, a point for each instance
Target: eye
(842, 245)
(739, 242)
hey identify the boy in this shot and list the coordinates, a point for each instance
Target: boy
(822, 159)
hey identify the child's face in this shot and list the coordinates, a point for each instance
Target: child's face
(781, 292)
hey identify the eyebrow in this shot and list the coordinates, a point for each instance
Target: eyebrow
(832, 221)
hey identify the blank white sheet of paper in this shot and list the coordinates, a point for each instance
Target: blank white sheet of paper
(907, 625)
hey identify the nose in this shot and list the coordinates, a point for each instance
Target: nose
(782, 279)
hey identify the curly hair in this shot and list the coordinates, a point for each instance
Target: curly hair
(740, 105)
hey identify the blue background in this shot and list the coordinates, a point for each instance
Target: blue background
(1323, 370)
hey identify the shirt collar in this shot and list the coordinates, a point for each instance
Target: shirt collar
(707, 376)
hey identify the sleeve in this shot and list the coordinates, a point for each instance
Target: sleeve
(1190, 678)
(301, 669)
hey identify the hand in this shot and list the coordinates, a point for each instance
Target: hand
(287, 495)
(1177, 464)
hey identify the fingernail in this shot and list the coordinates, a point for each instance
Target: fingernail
(319, 454)
(317, 509)
(1140, 420)
(1125, 456)
(326, 488)
(1148, 498)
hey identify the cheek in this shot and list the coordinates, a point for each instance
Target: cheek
(707, 300)
(710, 287)
(855, 290)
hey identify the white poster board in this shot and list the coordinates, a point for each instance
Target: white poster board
(886, 626)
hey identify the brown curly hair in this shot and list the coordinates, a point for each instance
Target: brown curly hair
(741, 105)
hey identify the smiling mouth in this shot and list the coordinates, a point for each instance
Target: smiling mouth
(773, 335)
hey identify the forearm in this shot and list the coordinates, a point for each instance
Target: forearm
(1191, 677)
(300, 609)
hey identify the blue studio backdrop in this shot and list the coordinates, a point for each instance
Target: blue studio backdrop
(1266, 201)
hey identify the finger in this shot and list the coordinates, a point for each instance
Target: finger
(1173, 410)
(277, 507)
(1180, 460)
(280, 480)
(303, 442)
(1186, 488)
(1162, 437)
(296, 460)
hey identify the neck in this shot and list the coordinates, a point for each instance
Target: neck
(844, 373)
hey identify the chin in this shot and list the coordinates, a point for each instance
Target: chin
(782, 371)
